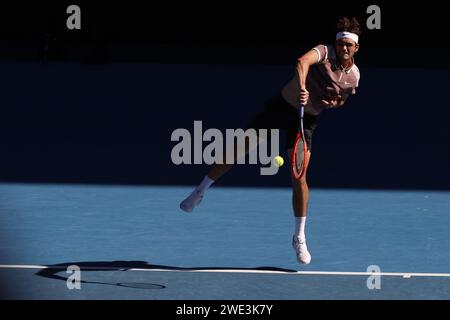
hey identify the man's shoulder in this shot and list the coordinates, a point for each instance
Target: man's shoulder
(355, 71)
(325, 52)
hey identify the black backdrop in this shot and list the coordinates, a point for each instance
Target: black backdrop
(99, 104)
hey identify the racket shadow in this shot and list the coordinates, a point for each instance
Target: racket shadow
(52, 272)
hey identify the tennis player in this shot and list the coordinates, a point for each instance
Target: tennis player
(325, 77)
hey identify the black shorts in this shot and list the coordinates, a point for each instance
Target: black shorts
(279, 114)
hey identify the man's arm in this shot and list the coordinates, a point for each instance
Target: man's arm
(335, 102)
(303, 64)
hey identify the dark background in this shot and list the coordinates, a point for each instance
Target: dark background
(98, 105)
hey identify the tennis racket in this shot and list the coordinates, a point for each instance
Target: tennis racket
(300, 150)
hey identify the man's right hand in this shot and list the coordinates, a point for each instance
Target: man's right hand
(304, 96)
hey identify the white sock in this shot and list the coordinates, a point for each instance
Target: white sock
(205, 184)
(300, 223)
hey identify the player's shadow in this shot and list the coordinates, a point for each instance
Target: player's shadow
(54, 271)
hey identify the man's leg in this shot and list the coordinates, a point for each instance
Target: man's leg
(300, 199)
(216, 172)
(300, 191)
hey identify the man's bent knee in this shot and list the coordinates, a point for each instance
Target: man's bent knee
(300, 185)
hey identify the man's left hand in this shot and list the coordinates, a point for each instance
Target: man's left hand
(334, 102)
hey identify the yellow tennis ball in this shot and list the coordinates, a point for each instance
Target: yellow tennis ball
(278, 161)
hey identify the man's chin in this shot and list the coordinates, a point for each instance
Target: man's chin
(344, 58)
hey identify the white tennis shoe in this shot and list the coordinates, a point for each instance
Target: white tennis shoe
(301, 250)
(192, 201)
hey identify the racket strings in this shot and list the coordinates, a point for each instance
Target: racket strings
(299, 165)
(298, 156)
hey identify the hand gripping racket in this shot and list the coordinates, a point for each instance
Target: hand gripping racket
(300, 150)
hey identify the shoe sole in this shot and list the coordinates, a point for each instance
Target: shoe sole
(185, 209)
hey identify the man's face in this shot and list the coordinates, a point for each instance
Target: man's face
(345, 49)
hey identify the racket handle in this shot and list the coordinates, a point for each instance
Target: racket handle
(301, 111)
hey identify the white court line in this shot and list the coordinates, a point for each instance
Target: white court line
(327, 273)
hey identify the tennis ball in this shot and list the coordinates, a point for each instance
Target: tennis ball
(278, 161)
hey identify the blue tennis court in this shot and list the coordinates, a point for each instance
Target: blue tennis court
(133, 242)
